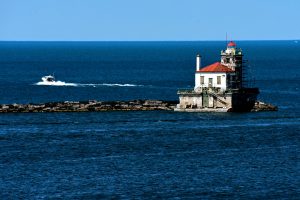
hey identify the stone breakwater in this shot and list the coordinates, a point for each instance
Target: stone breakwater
(89, 106)
(98, 106)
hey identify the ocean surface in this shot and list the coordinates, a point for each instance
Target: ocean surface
(151, 154)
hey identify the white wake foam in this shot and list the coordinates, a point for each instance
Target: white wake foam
(56, 83)
(115, 85)
(61, 83)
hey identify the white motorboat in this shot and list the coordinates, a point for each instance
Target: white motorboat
(49, 79)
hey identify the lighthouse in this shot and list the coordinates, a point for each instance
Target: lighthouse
(232, 57)
(220, 85)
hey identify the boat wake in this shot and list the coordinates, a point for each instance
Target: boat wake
(56, 83)
(110, 85)
(61, 83)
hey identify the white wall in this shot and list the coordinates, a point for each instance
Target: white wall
(212, 75)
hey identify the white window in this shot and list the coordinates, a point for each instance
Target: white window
(219, 80)
(201, 80)
(210, 82)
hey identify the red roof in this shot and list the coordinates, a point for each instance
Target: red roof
(216, 67)
(231, 44)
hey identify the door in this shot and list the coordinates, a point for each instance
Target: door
(204, 100)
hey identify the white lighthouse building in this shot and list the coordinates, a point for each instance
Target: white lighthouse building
(219, 75)
(215, 75)
(219, 86)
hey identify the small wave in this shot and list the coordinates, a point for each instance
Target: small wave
(61, 83)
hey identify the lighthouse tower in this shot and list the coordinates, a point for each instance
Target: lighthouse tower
(232, 57)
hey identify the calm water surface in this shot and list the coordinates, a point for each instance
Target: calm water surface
(159, 154)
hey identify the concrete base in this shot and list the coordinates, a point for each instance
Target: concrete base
(213, 100)
(202, 109)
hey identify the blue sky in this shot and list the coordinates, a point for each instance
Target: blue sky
(148, 20)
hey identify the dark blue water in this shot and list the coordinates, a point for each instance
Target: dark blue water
(145, 154)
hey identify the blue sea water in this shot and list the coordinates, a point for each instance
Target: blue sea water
(152, 154)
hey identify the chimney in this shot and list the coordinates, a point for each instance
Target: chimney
(198, 62)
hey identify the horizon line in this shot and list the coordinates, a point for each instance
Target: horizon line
(245, 40)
